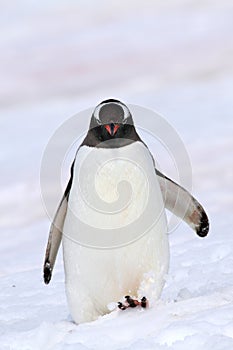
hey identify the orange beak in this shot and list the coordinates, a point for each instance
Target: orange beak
(112, 128)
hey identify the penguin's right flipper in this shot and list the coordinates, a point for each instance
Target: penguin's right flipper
(180, 202)
(55, 233)
(54, 240)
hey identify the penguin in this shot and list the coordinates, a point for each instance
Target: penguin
(113, 152)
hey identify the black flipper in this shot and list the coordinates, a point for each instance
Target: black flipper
(55, 233)
(54, 240)
(183, 204)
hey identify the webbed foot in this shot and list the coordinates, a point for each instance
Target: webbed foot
(130, 302)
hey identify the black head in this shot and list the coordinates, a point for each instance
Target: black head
(111, 125)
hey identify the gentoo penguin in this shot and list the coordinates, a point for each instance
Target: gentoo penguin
(99, 273)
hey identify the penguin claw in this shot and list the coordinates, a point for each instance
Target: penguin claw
(121, 306)
(144, 302)
(130, 302)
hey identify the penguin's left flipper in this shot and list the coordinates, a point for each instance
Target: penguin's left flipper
(183, 204)
(54, 240)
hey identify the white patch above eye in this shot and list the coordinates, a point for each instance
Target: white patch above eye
(97, 110)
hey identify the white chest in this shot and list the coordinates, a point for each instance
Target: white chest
(113, 189)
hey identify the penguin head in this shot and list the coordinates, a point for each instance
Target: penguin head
(111, 118)
(111, 126)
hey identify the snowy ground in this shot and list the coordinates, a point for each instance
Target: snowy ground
(60, 58)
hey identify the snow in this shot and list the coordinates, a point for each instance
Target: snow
(59, 58)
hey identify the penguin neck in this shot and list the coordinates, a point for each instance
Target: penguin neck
(94, 138)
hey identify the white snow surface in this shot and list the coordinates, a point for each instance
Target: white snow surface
(61, 57)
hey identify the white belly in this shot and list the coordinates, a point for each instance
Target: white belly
(115, 230)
